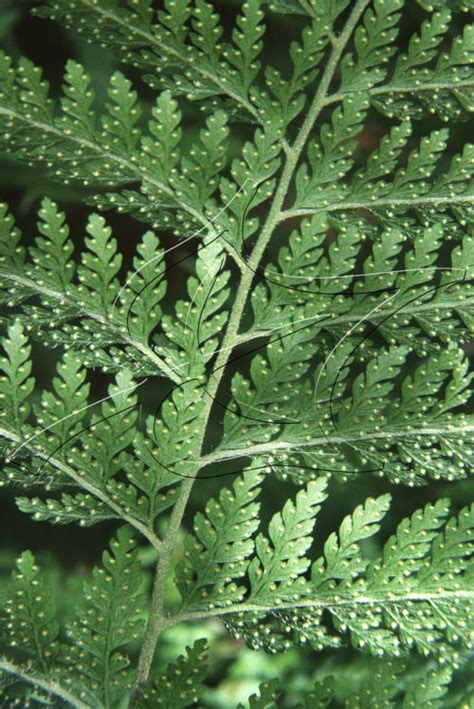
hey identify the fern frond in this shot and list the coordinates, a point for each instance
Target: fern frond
(120, 131)
(403, 292)
(330, 162)
(445, 90)
(224, 535)
(48, 453)
(100, 265)
(321, 334)
(191, 336)
(384, 610)
(53, 250)
(248, 45)
(29, 119)
(78, 115)
(182, 683)
(280, 559)
(31, 623)
(267, 693)
(64, 409)
(410, 438)
(408, 189)
(113, 619)
(374, 42)
(93, 312)
(15, 384)
(165, 46)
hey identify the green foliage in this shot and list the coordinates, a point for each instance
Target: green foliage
(181, 684)
(110, 620)
(225, 533)
(318, 340)
(31, 624)
(416, 596)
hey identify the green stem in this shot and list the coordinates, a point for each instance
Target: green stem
(336, 601)
(89, 487)
(295, 446)
(83, 310)
(387, 202)
(156, 620)
(401, 89)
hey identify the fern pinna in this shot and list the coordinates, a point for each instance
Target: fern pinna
(321, 340)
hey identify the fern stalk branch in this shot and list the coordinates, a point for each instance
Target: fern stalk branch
(433, 305)
(336, 601)
(135, 170)
(87, 486)
(48, 686)
(288, 446)
(400, 89)
(406, 203)
(155, 625)
(63, 298)
(156, 618)
(152, 41)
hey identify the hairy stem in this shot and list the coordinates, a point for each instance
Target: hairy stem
(337, 439)
(156, 621)
(83, 310)
(85, 485)
(336, 601)
(387, 202)
(413, 89)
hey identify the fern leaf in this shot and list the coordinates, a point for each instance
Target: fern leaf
(79, 117)
(112, 620)
(374, 45)
(268, 692)
(182, 683)
(445, 90)
(84, 510)
(192, 335)
(34, 91)
(337, 258)
(132, 31)
(12, 254)
(332, 160)
(431, 690)
(409, 547)
(224, 535)
(144, 289)
(53, 250)
(63, 411)
(119, 127)
(107, 328)
(16, 384)
(341, 560)
(247, 39)
(280, 560)
(384, 610)
(161, 148)
(100, 266)
(31, 623)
